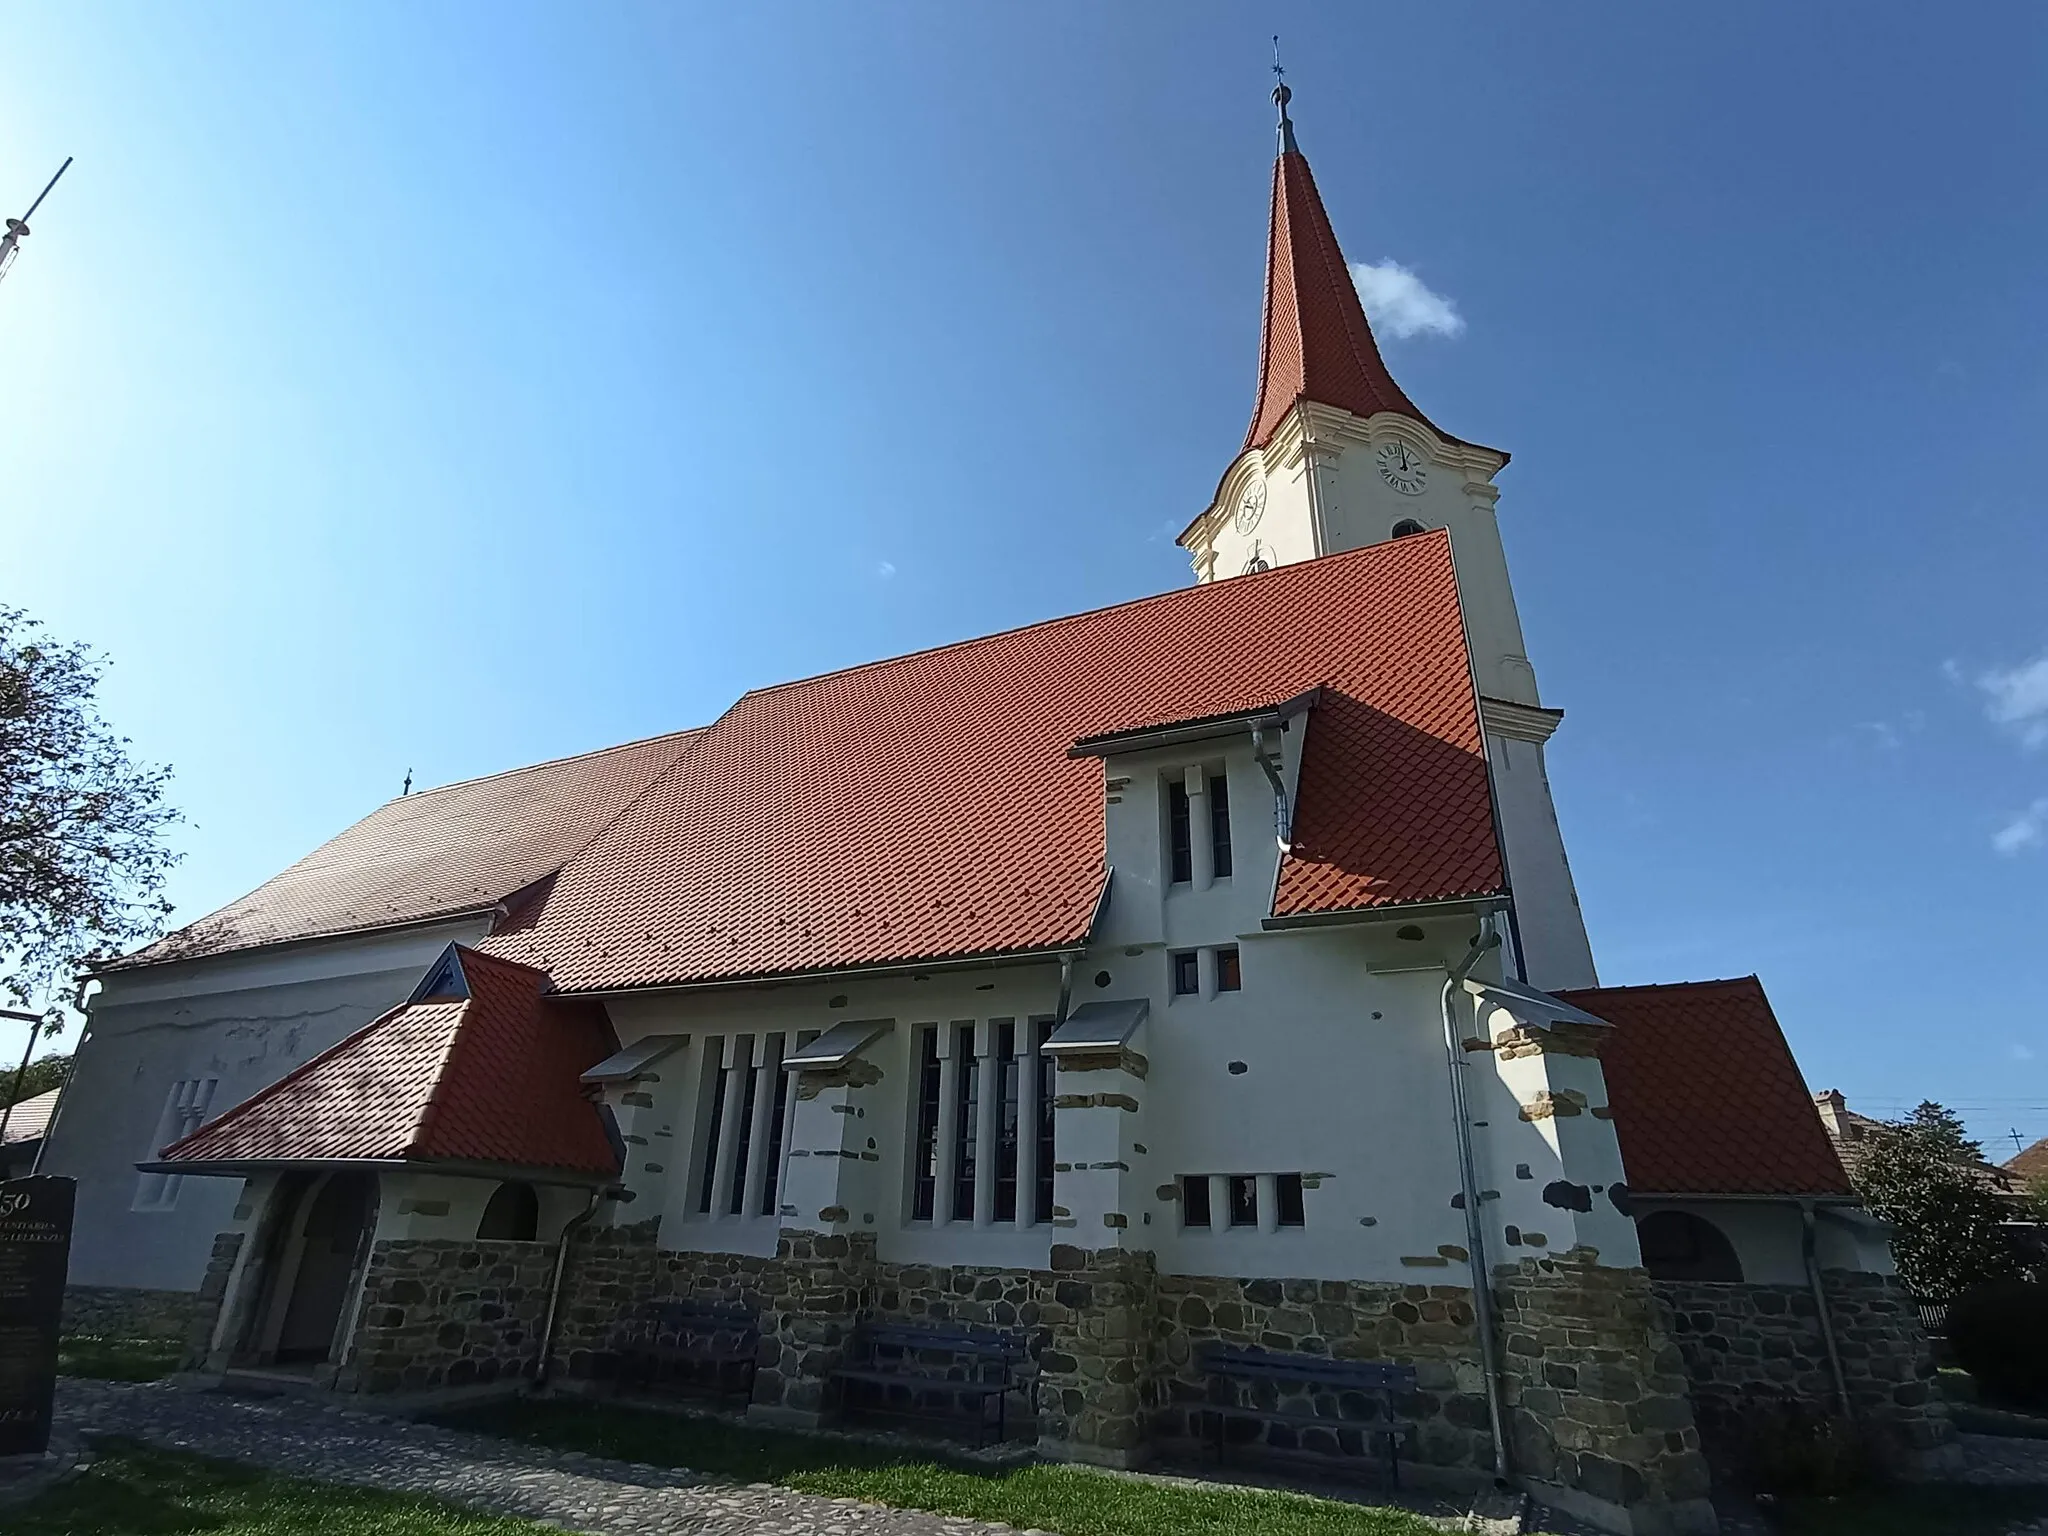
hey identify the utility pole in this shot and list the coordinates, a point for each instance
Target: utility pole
(17, 229)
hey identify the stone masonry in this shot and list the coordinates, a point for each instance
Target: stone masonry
(1597, 1396)
(1755, 1351)
(227, 1247)
(440, 1314)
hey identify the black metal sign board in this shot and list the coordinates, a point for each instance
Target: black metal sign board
(35, 1254)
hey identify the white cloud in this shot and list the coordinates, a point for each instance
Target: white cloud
(2019, 698)
(2027, 830)
(1401, 304)
(885, 569)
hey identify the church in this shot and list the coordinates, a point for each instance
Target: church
(1204, 971)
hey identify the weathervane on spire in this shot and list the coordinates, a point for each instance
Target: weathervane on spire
(1281, 96)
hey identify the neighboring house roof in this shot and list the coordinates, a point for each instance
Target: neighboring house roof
(31, 1117)
(1853, 1135)
(927, 807)
(2031, 1164)
(1315, 343)
(461, 848)
(484, 1070)
(1707, 1098)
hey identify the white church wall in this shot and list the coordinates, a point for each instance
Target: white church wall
(1556, 953)
(238, 1022)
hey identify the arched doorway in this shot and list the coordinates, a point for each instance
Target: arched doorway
(324, 1276)
(1678, 1245)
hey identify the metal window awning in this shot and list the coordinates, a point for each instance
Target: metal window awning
(837, 1046)
(1104, 1026)
(624, 1065)
(1538, 1010)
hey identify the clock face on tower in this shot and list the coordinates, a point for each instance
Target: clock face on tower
(1252, 507)
(1402, 468)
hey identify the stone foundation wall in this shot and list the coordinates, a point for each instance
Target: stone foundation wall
(438, 1313)
(1597, 1395)
(120, 1312)
(1751, 1351)
(1430, 1327)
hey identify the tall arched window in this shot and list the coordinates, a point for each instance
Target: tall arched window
(1678, 1245)
(513, 1216)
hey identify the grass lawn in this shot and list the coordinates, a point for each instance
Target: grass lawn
(1915, 1511)
(132, 1491)
(85, 1354)
(1070, 1500)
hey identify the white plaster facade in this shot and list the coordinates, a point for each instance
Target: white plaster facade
(222, 1027)
(1329, 481)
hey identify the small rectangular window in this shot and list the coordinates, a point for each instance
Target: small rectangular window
(1194, 1200)
(1041, 1030)
(1287, 1188)
(1228, 977)
(1009, 1103)
(771, 1187)
(1179, 838)
(1219, 823)
(715, 1075)
(1187, 973)
(1244, 1200)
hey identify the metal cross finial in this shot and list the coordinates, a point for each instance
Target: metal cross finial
(408, 783)
(1281, 96)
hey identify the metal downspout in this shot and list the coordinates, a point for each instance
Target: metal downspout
(1810, 1250)
(1468, 1182)
(570, 1228)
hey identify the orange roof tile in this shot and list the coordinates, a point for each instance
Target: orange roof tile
(1707, 1098)
(491, 1077)
(1315, 343)
(926, 807)
(460, 848)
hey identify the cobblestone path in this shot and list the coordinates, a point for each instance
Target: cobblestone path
(577, 1492)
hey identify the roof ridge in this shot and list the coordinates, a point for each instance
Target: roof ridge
(551, 762)
(1663, 986)
(1362, 555)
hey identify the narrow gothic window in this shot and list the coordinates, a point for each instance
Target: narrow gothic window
(1009, 1088)
(968, 1103)
(707, 1190)
(1219, 822)
(744, 1141)
(1180, 841)
(1047, 1088)
(925, 1157)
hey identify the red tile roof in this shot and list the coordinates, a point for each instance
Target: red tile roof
(925, 807)
(492, 1077)
(1707, 1098)
(461, 848)
(1315, 343)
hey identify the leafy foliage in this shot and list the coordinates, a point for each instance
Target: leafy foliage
(1999, 1332)
(82, 858)
(43, 1074)
(1928, 1179)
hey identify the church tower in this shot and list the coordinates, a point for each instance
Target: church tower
(1337, 456)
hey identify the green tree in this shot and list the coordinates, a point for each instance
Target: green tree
(43, 1074)
(82, 855)
(1927, 1178)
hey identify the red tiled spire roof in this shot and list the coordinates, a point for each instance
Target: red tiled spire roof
(1707, 1098)
(1315, 343)
(488, 1074)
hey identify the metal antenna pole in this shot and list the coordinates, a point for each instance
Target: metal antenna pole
(10, 243)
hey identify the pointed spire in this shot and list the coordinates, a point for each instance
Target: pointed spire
(1315, 344)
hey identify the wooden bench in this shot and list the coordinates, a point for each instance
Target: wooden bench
(969, 1366)
(1338, 1394)
(665, 1343)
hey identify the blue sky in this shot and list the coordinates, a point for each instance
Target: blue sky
(452, 387)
